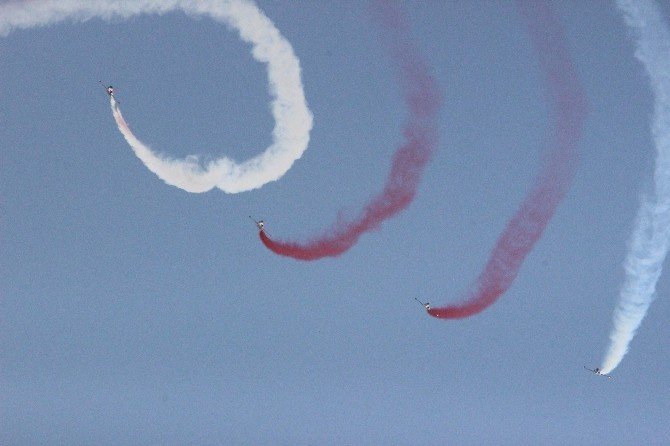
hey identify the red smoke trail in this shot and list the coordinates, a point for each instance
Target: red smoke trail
(423, 100)
(568, 104)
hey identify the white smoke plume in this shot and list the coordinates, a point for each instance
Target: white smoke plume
(293, 120)
(651, 235)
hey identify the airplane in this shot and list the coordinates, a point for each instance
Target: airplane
(109, 89)
(426, 305)
(260, 223)
(597, 372)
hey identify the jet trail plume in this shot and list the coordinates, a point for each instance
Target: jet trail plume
(568, 108)
(423, 100)
(651, 235)
(293, 120)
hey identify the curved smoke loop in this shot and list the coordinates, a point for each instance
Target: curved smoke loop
(293, 120)
(423, 100)
(569, 105)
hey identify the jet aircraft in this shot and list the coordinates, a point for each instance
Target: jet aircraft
(426, 305)
(109, 89)
(260, 224)
(598, 372)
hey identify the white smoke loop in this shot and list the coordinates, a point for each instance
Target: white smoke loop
(293, 120)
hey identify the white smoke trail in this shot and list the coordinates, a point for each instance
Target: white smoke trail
(293, 120)
(650, 238)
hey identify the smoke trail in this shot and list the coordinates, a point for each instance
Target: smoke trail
(423, 101)
(651, 235)
(142, 151)
(526, 226)
(293, 120)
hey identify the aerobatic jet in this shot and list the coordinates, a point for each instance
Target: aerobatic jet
(260, 224)
(426, 305)
(109, 88)
(597, 371)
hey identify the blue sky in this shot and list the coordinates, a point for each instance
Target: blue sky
(136, 313)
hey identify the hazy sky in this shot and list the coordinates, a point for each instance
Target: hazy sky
(133, 312)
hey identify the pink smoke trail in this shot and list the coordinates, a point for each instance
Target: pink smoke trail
(423, 101)
(568, 103)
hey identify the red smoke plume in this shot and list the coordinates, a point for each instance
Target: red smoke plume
(568, 104)
(423, 101)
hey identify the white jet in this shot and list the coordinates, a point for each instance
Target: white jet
(597, 371)
(426, 305)
(109, 89)
(260, 224)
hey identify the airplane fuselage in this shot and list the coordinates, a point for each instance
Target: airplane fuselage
(598, 372)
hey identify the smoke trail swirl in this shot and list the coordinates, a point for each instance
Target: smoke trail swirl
(651, 235)
(568, 105)
(293, 120)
